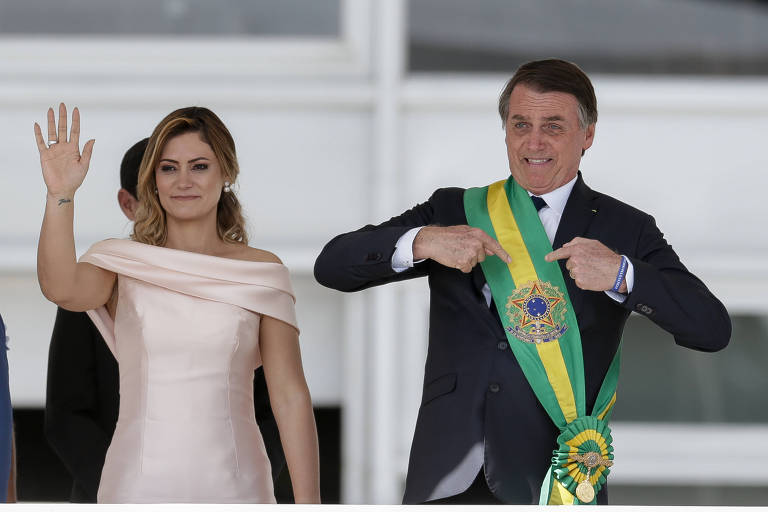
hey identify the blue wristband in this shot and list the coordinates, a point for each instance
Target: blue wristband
(621, 274)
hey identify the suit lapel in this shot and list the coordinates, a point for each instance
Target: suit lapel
(478, 279)
(577, 216)
(490, 315)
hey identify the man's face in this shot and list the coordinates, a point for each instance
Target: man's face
(543, 137)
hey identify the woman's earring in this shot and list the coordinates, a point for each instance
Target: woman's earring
(227, 186)
(155, 191)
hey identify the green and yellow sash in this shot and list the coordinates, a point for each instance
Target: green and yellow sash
(542, 331)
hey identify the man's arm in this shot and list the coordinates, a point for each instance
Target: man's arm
(72, 406)
(663, 289)
(363, 258)
(673, 298)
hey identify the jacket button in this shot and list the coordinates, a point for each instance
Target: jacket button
(494, 388)
(502, 345)
(644, 309)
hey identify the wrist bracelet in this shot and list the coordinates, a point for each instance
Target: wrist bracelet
(621, 274)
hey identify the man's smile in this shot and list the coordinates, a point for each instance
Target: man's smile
(537, 161)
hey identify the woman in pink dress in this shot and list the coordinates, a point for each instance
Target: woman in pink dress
(189, 310)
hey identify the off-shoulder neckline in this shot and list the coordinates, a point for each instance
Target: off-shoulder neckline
(185, 253)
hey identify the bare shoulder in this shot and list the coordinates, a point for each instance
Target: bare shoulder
(245, 253)
(257, 255)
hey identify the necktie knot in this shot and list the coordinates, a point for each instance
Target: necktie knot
(538, 202)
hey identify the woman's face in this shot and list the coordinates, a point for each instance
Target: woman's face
(188, 177)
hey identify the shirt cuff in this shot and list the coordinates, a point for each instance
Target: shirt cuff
(629, 278)
(402, 259)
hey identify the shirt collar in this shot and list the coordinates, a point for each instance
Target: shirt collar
(557, 198)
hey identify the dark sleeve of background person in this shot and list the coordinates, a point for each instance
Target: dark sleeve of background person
(267, 424)
(6, 428)
(82, 400)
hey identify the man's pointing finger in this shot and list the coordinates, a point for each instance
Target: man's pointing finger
(498, 250)
(559, 254)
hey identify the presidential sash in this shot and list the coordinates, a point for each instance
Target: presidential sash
(542, 331)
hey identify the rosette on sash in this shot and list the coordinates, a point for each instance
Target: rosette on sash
(543, 333)
(583, 457)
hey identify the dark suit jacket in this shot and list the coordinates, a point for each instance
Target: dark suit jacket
(474, 390)
(82, 403)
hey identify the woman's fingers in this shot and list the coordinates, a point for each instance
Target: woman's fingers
(85, 158)
(74, 134)
(62, 123)
(39, 138)
(60, 135)
(51, 125)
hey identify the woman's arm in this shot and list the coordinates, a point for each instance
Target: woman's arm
(292, 406)
(71, 285)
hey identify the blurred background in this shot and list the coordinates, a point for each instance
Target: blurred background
(347, 112)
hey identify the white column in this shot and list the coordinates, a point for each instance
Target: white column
(354, 413)
(389, 39)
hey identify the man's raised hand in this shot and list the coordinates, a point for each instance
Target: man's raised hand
(592, 265)
(460, 247)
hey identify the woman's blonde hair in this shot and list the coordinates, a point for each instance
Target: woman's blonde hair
(150, 226)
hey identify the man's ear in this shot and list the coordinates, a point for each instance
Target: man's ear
(590, 137)
(127, 203)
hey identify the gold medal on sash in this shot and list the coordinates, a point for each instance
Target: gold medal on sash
(584, 491)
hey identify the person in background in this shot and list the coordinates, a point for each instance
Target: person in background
(7, 445)
(82, 397)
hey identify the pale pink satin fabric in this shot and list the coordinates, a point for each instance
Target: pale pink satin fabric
(185, 336)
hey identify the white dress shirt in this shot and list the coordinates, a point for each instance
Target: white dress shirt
(550, 215)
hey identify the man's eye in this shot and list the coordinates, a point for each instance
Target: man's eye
(521, 125)
(554, 126)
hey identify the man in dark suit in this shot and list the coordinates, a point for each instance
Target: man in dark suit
(82, 397)
(482, 435)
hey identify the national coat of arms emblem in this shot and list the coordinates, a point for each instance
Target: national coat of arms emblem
(536, 312)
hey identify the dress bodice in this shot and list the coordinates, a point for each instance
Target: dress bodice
(185, 335)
